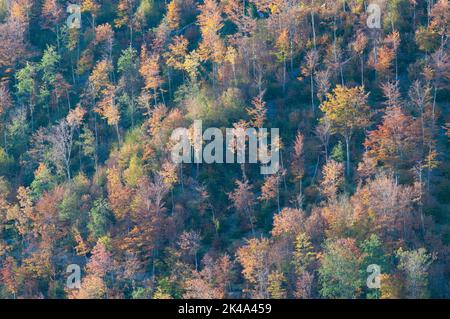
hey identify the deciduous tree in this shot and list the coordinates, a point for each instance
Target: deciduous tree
(347, 111)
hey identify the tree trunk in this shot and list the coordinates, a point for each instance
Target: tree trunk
(347, 146)
(362, 69)
(313, 27)
(278, 196)
(312, 93)
(284, 75)
(118, 134)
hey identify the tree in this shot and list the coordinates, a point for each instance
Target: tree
(173, 14)
(26, 88)
(298, 163)
(76, 116)
(373, 253)
(5, 105)
(12, 35)
(391, 92)
(304, 254)
(439, 19)
(52, 14)
(323, 84)
(189, 243)
(243, 200)
(347, 111)
(258, 111)
(93, 286)
(420, 96)
(392, 286)
(212, 281)
(104, 36)
(100, 262)
(276, 285)
(323, 132)
(177, 52)
(99, 219)
(93, 7)
(359, 46)
(339, 269)
(108, 109)
(282, 47)
(23, 212)
(447, 128)
(5, 99)
(303, 260)
(388, 209)
(9, 276)
(415, 265)
(255, 260)
(210, 21)
(49, 78)
(43, 181)
(125, 14)
(3, 9)
(134, 172)
(393, 42)
(270, 190)
(118, 194)
(150, 72)
(150, 224)
(395, 141)
(311, 60)
(99, 78)
(288, 223)
(129, 68)
(21, 10)
(61, 141)
(88, 147)
(236, 10)
(333, 179)
(337, 153)
(381, 61)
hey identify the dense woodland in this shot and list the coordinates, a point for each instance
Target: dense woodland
(86, 176)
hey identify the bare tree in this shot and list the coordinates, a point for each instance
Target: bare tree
(323, 132)
(243, 200)
(61, 142)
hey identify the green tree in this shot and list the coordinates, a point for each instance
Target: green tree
(148, 12)
(337, 153)
(100, 218)
(128, 66)
(26, 88)
(88, 145)
(339, 272)
(415, 265)
(373, 254)
(134, 172)
(44, 181)
(6, 163)
(48, 67)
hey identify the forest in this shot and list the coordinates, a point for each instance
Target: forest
(91, 91)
